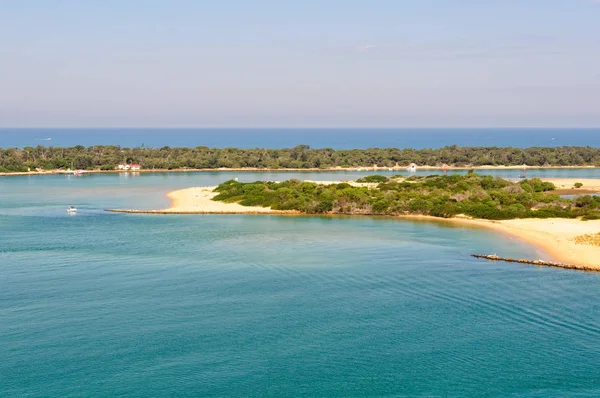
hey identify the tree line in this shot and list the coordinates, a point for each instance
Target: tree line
(300, 157)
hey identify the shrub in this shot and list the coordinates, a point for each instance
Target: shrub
(381, 205)
(591, 216)
(343, 185)
(375, 178)
(537, 185)
(420, 206)
(583, 201)
(489, 182)
(324, 206)
(514, 189)
(484, 211)
(550, 212)
(578, 185)
(445, 210)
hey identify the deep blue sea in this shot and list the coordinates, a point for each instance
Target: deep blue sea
(104, 305)
(287, 138)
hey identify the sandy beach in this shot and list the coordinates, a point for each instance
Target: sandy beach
(565, 186)
(555, 236)
(199, 200)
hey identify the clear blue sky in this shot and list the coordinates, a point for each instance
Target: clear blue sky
(381, 63)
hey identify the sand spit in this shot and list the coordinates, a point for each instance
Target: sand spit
(563, 239)
(198, 200)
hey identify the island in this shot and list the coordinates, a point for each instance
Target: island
(533, 210)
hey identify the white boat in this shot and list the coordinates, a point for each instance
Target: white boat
(71, 209)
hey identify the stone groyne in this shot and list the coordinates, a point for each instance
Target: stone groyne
(270, 212)
(540, 263)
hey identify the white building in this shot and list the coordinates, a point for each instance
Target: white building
(126, 167)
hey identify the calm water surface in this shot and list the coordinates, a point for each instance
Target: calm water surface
(102, 304)
(147, 190)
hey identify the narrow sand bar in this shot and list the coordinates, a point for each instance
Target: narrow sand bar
(566, 185)
(555, 236)
(198, 200)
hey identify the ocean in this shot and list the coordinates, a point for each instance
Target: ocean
(287, 138)
(101, 304)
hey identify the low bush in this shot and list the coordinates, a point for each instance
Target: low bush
(374, 178)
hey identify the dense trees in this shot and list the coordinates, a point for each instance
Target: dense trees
(302, 157)
(440, 196)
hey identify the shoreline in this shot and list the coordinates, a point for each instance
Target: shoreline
(554, 236)
(307, 170)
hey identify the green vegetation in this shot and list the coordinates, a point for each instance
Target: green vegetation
(578, 185)
(440, 196)
(300, 157)
(371, 179)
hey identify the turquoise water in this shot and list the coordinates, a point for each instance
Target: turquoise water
(102, 304)
(43, 194)
(337, 138)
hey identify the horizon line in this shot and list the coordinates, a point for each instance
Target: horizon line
(299, 128)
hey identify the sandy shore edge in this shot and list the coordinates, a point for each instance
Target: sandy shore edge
(554, 236)
(307, 170)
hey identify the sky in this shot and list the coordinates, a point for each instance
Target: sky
(309, 63)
